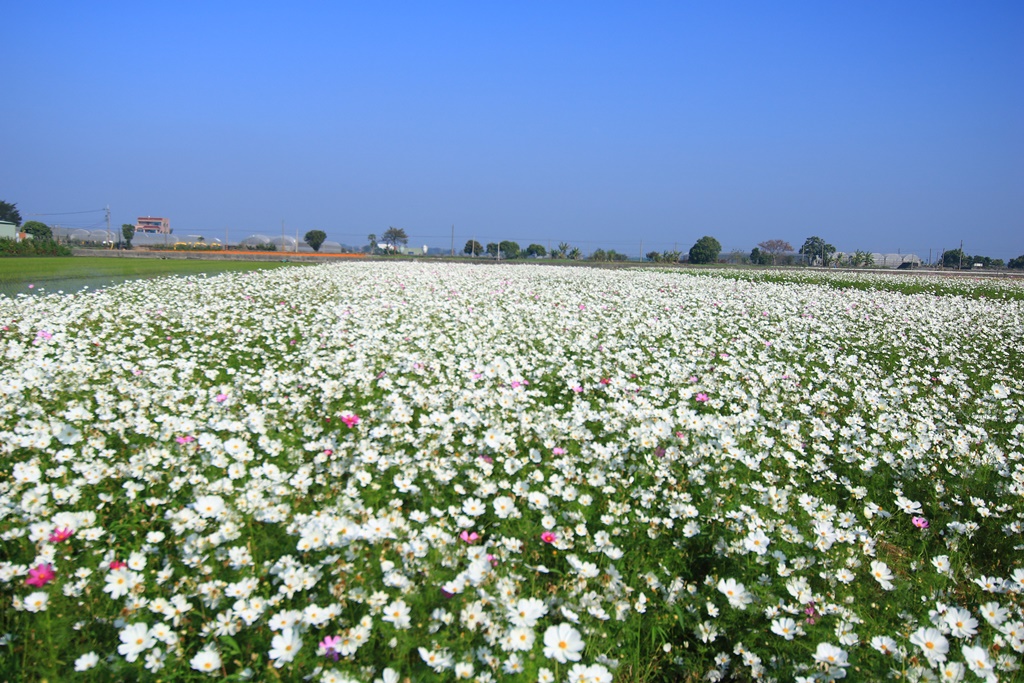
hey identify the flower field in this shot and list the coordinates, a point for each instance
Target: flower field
(433, 472)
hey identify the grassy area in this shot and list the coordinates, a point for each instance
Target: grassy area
(16, 274)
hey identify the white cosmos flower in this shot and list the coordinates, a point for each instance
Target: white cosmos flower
(207, 661)
(284, 647)
(87, 661)
(932, 643)
(736, 593)
(135, 639)
(36, 602)
(883, 575)
(563, 643)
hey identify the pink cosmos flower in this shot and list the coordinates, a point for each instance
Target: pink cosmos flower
(548, 537)
(44, 335)
(350, 419)
(185, 439)
(330, 644)
(40, 575)
(60, 535)
(469, 537)
(117, 564)
(328, 452)
(702, 398)
(605, 380)
(920, 522)
(487, 458)
(220, 398)
(577, 389)
(559, 451)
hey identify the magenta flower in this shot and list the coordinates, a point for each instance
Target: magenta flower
(559, 451)
(330, 644)
(117, 564)
(220, 398)
(185, 439)
(920, 522)
(702, 398)
(350, 419)
(548, 537)
(40, 575)
(577, 389)
(60, 535)
(469, 537)
(44, 335)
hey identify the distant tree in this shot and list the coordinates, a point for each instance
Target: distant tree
(816, 248)
(562, 251)
(672, 256)
(705, 250)
(955, 258)
(9, 213)
(1016, 263)
(315, 238)
(39, 231)
(473, 248)
(128, 231)
(509, 249)
(575, 254)
(774, 248)
(536, 251)
(598, 255)
(492, 248)
(653, 256)
(762, 258)
(372, 239)
(395, 237)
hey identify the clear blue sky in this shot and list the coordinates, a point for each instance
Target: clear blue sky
(876, 125)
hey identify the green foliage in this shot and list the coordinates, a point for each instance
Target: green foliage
(705, 250)
(315, 238)
(39, 231)
(9, 213)
(33, 247)
(818, 250)
(1016, 263)
(372, 239)
(536, 251)
(128, 230)
(395, 237)
(653, 256)
(509, 249)
(473, 248)
(956, 258)
(760, 258)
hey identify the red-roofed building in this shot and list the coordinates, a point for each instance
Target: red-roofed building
(153, 226)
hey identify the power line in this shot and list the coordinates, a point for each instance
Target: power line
(67, 213)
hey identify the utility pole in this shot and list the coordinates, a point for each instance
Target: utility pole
(961, 255)
(108, 227)
(641, 251)
(453, 239)
(282, 234)
(225, 248)
(296, 239)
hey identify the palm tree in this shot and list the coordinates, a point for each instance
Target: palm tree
(563, 249)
